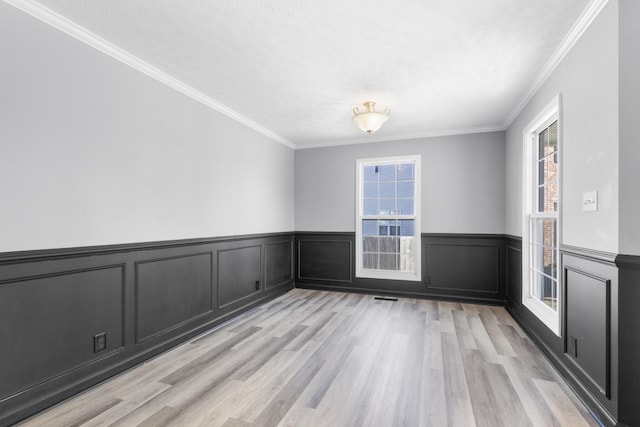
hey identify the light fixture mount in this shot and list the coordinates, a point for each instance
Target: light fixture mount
(370, 120)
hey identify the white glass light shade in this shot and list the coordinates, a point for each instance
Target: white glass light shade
(370, 120)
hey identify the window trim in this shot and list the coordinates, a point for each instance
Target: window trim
(389, 274)
(552, 112)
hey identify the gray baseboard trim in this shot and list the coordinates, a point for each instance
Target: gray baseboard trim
(403, 294)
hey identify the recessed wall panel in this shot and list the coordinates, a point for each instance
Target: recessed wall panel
(325, 260)
(170, 292)
(463, 268)
(278, 263)
(514, 274)
(238, 273)
(47, 324)
(587, 325)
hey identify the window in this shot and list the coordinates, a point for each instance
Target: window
(387, 218)
(541, 218)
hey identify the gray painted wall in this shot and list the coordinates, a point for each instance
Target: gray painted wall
(462, 183)
(95, 153)
(587, 80)
(629, 130)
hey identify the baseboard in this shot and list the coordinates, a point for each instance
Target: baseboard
(402, 294)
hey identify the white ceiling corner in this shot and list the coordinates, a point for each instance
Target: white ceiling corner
(293, 70)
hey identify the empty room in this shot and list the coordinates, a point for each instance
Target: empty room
(304, 213)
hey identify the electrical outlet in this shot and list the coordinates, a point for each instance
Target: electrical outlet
(257, 285)
(99, 342)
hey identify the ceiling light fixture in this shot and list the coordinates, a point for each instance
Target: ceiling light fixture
(370, 120)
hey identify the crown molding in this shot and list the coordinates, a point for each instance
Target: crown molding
(400, 137)
(80, 33)
(585, 20)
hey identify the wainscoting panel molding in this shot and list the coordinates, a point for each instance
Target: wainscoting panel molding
(462, 267)
(326, 258)
(464, 264)
(70, 318)
(587, 320)
(57, 317)
(513, 248)
(238, 274)
(170, 292)
(278, 263)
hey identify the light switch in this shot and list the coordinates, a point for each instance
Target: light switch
(590, 201)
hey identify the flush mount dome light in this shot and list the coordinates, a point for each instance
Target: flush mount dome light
(370, 120)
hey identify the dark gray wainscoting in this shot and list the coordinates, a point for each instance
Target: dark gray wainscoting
(141, 298)
(513, 249)
(586, 353)
(462, 267)
(628, 343)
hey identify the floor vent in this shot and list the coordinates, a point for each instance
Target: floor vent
(386, 298)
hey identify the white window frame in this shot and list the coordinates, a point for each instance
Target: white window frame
(551, 113)
(388, 274)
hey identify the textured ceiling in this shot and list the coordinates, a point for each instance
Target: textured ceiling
(298, 67)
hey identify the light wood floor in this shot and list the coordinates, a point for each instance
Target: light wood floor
(314, 358)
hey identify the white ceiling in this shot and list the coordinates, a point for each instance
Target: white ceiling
(298, 67)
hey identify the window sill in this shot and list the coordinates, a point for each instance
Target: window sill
(548, 317)
(387, 275)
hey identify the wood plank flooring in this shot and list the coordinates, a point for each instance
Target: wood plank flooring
(312, 358)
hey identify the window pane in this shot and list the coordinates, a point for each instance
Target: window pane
(543, 232)
(370, 174)
(369, 243)
(370, 190)
(548, 197)
(551, 184)
(388, 261)
(545, 289)
(370, 227)
(407, 227)
(389, 244)
(405, 171)
(387, 227)
(551, 262)
(541, 174)
(387, 206)
(549, 233)
(548, 169)
(370, 261)
(406, 263)
(536, 237)
(387, 190)
(542, 143)
(550, 293)
(405, 189)
(387, 172)
(370, 207)
(544, 260)
(405, 206)
(551, 145)
(407, 244)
